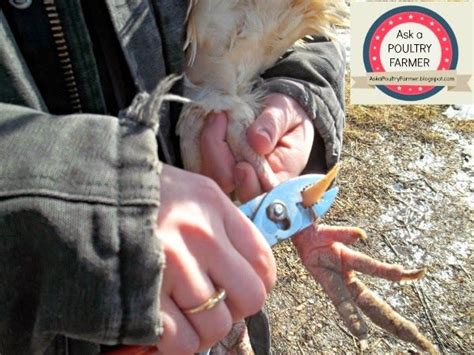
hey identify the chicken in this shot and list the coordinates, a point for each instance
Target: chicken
(229, 44)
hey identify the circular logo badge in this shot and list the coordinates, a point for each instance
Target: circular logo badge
(410, 38)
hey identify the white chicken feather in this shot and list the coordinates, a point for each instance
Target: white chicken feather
(229, 44)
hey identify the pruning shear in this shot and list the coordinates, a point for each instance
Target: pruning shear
(291, 206)
(279, 214)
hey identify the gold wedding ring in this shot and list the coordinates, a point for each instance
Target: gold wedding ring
(213, 301)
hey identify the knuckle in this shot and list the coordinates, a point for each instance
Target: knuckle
(173, 251)
(208, 191)
(172, 254)
(213, 194)
(209, 241)
(277, 115)
(264, 264)
(208, 187)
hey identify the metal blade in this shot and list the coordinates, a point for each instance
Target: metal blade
(313, 194)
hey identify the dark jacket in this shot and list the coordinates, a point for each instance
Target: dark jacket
(79, 181)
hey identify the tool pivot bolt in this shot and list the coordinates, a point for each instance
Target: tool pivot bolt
(277, 211)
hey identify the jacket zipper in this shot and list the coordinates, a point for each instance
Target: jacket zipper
(63, 54)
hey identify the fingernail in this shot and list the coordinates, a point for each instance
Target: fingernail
(264, 133)
(240, 176)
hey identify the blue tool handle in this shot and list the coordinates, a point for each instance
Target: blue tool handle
(299, 217)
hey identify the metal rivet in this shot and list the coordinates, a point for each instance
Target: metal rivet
(277, 211)
(21, 4)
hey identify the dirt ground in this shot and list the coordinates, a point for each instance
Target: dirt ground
(407, 179)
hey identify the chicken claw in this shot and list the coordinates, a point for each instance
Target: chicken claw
(324, 253)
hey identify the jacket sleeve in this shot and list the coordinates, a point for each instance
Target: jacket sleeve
(79, 196)
(313, 74)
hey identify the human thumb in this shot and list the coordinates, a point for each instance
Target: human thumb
(263, 135)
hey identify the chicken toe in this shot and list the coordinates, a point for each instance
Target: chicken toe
(324, 252)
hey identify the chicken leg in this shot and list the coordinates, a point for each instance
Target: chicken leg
(324, 252)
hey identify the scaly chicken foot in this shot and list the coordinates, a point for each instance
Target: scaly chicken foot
(324, 252)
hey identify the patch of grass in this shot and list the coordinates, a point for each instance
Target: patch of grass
(360, 136)
(431, 137)
(463, 126)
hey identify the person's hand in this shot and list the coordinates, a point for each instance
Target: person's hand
(282, 133)
(218, 162)
(208, 245)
